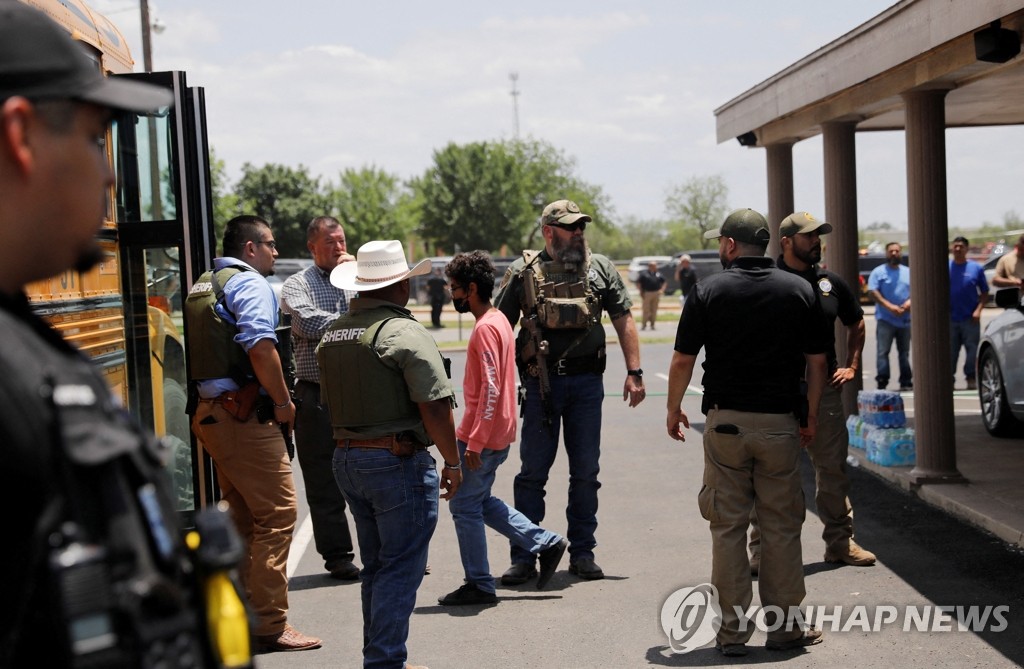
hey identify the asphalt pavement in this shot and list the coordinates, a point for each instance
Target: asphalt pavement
(653, 542)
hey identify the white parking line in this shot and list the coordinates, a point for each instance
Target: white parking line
(300, 540)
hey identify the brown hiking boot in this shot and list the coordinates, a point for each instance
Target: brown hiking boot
(850, 554)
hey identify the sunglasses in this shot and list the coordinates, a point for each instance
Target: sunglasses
(571, 227)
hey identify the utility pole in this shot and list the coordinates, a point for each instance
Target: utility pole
(147, 49)
(514, 76)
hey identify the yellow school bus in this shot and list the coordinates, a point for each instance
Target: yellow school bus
(157, 235)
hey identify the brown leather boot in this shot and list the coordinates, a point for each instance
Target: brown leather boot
(850, 554)
(290, 639)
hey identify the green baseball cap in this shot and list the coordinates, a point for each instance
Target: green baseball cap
(802, 223)
(562, 212)
(743, 225)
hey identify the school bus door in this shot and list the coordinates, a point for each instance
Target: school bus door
(164, 216)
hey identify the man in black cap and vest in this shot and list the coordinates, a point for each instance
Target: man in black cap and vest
(762, 331)
(560, 351)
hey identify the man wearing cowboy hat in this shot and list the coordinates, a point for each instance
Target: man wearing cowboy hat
(389, 398)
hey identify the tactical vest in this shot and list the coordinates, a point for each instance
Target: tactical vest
(559, 306)
(111, 583)
(361, 390)
(214, 353)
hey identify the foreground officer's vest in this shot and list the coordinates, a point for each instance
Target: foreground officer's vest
(111, 583)
(560, 305)
(214, 353)
(361, 390)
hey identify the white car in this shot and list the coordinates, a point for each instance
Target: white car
(640, 263)
(1000, 372)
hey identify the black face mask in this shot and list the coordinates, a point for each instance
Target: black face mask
(461, 304)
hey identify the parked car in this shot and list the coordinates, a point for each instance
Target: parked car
(1000, 372)
(418, 284)
(704, 262)
(990, 271)
(665, 266)
(284, 268)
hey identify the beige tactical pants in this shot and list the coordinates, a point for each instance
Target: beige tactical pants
(828, 454)
(757, 468)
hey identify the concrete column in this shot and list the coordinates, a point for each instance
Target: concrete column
(841, 246)
(780, 191)
(929, 288)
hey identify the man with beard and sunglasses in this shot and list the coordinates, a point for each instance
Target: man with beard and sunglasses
(560, 291)
(800, 235)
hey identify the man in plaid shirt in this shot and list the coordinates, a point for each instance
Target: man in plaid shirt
(314, 303)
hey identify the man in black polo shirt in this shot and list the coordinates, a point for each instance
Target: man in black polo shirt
(761, 329)
(801, 251)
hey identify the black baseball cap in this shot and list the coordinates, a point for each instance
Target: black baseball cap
(743, 225)
(40, 61)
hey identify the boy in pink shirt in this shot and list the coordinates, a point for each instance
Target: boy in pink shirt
(487, 428)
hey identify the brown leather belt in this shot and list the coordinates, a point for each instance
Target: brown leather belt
(386, 442)
(376, 442)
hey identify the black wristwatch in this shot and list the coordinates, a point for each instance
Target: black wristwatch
(635, 372)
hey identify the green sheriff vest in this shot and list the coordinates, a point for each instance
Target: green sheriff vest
(371, 397)
(215, 354)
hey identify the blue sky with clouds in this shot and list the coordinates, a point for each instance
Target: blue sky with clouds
(627, 89)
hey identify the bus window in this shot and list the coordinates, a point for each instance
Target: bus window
(151, 172)
(167, 366)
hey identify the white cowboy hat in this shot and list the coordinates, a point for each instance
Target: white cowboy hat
(378, 264)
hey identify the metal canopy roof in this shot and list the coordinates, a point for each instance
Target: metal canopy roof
(913, 45)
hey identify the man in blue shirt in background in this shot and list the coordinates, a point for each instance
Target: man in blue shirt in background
(968, 293)
(889, 286)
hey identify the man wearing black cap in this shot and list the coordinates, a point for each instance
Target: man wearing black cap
(93, 570)
(761, 329)
(800, 234)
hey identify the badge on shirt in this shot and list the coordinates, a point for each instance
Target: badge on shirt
(825, 286)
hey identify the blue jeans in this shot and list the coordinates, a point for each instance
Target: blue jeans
(474, 506)
(967, 334)
(575, 406)
(885, 333)
(394, 504)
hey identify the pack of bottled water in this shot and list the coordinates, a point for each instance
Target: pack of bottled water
(858, 430)
(881, 408)
(891, 447)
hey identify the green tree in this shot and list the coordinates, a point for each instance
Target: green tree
(469, 198)
(699, 203)
(632, 237)
(372, 204)
(225, 202)
(288, 198)
(489, 195)
(549, 175)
